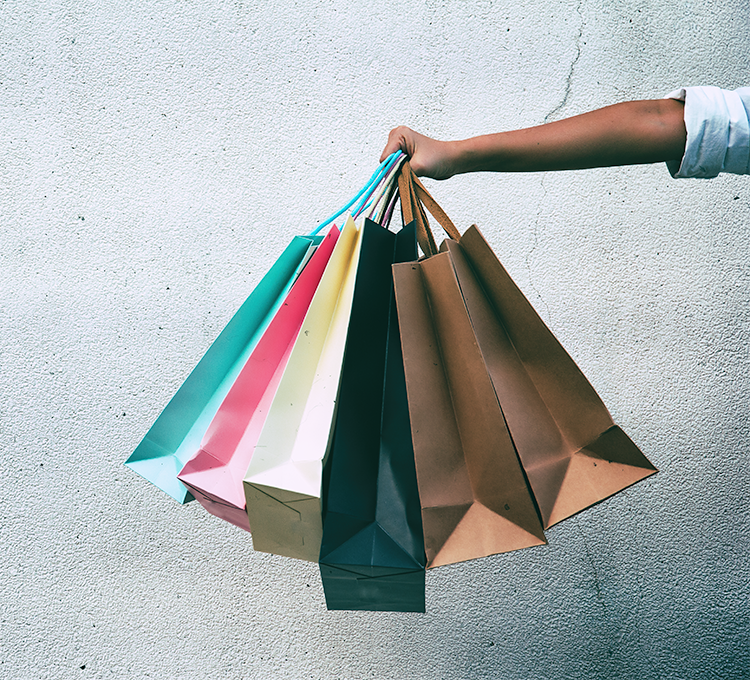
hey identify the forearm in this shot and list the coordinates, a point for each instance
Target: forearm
(622, 134)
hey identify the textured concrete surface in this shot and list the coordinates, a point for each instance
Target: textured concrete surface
(157, 155)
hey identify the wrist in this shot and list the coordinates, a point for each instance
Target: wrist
(477, 154)
(443, 159)
(461, 155)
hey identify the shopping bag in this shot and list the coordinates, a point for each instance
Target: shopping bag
(283, 480)
(178, 431)
(474, 495)
(214, 474)
(372, 552)
(573, 453)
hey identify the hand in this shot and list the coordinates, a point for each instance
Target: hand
(428, 157)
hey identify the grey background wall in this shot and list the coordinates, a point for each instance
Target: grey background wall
(156, 157)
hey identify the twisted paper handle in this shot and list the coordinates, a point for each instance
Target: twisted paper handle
(414, 199)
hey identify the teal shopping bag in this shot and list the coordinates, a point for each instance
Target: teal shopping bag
(177, 433)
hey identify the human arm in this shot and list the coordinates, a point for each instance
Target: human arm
(628, 133)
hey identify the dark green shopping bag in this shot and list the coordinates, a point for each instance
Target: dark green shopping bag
(372, 553)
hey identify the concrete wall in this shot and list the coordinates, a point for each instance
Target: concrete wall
(157, 155)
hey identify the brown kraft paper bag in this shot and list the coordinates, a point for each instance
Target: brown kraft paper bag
(464, 322)
(474, 495)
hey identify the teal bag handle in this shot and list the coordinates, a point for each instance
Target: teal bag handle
(383, 197)
(366, 191)
(381, 180)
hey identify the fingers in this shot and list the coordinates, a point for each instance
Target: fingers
(428, 157)
(397, 140)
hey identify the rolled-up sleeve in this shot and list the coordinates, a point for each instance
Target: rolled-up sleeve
(718, 132)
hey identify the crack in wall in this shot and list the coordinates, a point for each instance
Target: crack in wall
(569, 79)
(563, 103)
(531, 252)
(597, 585)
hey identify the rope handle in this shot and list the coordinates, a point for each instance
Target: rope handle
(414, 199)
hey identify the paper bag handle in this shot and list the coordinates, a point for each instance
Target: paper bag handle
(414, 199)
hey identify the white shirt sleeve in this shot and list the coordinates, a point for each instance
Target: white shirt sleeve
(718, 132)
